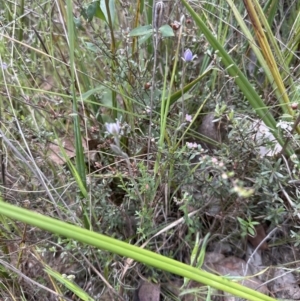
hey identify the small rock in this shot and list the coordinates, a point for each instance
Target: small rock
(285, 285)
(235, 266)
(212, 129)
(148, 292)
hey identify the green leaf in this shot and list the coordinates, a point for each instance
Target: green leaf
(87, 94)
(241, 221)
(93, 10)
(92, 47)
(251, 231)
(110, 10)
(166, 31)
(78, 23)
(141, 30)
(145, 38)
(99, 14)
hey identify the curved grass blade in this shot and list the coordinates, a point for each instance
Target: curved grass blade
(124, 249)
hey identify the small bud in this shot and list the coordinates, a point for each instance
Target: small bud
(188, 21)
(175, 25)
(147, 86)
(294, 106)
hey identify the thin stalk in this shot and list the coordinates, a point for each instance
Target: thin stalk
(156, 20)
(80, 164)
(113, 60)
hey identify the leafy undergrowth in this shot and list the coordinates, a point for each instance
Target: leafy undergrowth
(148, 138)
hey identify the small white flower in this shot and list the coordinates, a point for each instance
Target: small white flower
(188, 118)
(191, 145)
(113, 128)
(148, 110)
(214, 160)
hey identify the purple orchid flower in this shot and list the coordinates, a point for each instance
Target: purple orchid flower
(188, 55)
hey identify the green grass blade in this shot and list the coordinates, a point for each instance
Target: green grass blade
(124, 249)
(80, 164)
(79, 292)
